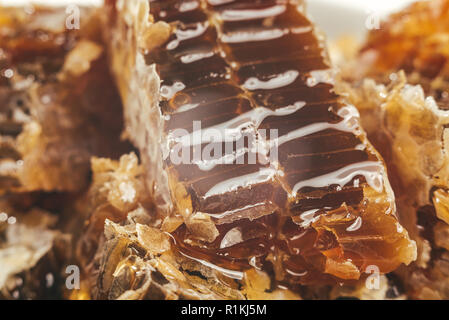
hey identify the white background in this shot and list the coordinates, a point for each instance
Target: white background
(335, 17)
(379, 4)
(342, 17)
(50, 2)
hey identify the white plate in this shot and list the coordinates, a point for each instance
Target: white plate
(341, 17)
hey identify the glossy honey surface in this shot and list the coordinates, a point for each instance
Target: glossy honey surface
(239, 68)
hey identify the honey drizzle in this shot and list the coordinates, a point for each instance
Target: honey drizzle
(258, 92)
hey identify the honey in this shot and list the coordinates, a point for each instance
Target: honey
(241, 81)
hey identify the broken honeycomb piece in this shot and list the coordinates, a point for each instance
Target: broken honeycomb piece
(410, 132)
(323, 212)
(441, 203)
(413, 40)
(115, 191)
(58, 102)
